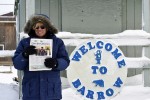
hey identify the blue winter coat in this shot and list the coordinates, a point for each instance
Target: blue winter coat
(41, 85)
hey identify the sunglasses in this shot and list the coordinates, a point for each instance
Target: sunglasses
(42, 27)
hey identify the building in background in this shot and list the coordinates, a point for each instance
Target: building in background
(7, 36)
(84, 16)
(7, 31)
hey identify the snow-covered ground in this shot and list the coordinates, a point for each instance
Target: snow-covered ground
(133, 89)
(8, 88)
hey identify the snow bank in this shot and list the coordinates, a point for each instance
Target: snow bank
(138, 62)
(7, 53)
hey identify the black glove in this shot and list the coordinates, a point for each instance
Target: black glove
(51, 63)
(29, 51)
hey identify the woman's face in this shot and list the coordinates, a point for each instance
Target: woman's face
(40, 29)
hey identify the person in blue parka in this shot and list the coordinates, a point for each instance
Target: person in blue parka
(41, 85)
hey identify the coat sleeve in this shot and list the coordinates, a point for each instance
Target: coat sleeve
(19, 61)
(62, 57)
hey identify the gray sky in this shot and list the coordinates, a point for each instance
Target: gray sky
(6, 6)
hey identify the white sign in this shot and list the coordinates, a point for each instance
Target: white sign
(97, 70)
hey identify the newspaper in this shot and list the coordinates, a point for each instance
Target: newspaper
(44, 49)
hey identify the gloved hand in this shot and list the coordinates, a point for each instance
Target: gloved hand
(29, 51)
(51, 63)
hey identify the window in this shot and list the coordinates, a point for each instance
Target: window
(1, 46)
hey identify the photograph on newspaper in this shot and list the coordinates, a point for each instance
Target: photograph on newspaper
(44, 49)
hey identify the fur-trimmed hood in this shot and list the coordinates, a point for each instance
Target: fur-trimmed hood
(39, 18)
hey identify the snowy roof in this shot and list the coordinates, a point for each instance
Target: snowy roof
(128, 37)
(125, 34)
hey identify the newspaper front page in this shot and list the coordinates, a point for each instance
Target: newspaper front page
(44, 49)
